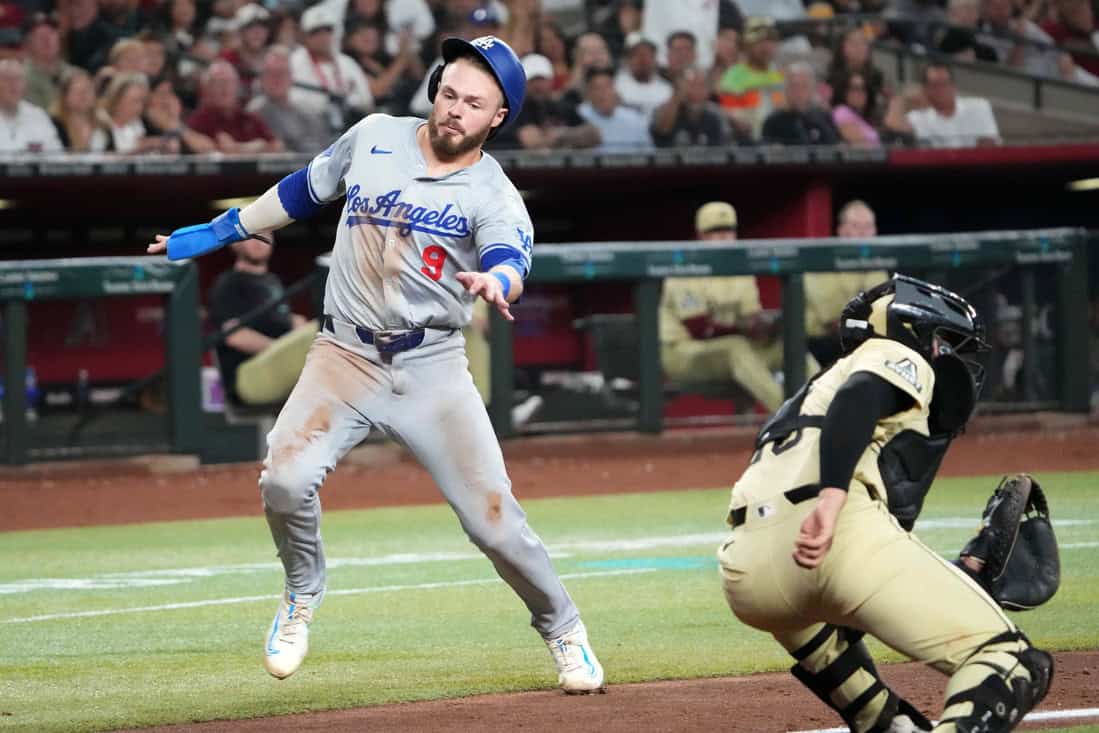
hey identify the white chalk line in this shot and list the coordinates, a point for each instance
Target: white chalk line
(1035, 717)
(176, 576)
(338, 592)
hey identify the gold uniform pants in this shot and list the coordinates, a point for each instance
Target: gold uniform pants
(269, 376)
(733, 358)
(876, 578)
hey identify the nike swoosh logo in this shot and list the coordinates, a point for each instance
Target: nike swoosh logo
(375, 150)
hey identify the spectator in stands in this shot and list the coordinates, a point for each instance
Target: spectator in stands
(156, 65)
(299, 131)
(959, 38)
(1016, 39)
(260, 361)
(775, 9)
(681, 52)
(74, 116)
(327, 83)
(164, 117)
(468, 23)
(89, 37)
(127, 56)
(393, 79)
(521, 28)
(689, 117)
(589, 52)
(638, 84)
(220, 117)
(121, 16)
(912, 21)
(545, 122)
(852, 56)
(700, 19)
(1074, 30)
(252, 23)
(827, 292)
(620, 18)
(802, 121)
(726, 54)
(621, 128)
(121, 106)
(951, 121)
(896, 129)
(854, 110)
(552, 45)
(24, 127)
(714, 328)
(752, 88)
(43, 61)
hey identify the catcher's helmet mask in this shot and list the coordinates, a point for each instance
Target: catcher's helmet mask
(934, 321)
(502, 61)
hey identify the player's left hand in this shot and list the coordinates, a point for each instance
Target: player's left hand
(815, 536)
(488, 287)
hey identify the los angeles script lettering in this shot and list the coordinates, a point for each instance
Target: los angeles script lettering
(409, 215)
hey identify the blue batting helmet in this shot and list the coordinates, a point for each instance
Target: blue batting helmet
(500, 58)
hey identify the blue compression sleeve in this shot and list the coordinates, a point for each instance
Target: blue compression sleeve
(296, 196)
(504, 256)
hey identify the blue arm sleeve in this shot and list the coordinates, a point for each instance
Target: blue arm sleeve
(504, 256)
(297, 197)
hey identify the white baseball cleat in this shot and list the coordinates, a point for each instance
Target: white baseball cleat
(578, 671)
(288, 637)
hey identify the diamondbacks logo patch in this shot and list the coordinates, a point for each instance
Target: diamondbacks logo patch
(907, 370)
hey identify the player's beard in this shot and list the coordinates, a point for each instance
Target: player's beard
(446, 146)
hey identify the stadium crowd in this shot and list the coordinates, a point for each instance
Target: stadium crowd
(238, 77)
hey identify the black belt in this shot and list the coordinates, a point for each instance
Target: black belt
(794, 496)
(386, 342)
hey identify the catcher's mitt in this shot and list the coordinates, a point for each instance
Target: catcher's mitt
(1022, 568)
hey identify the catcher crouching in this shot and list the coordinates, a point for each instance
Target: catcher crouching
(821, 551)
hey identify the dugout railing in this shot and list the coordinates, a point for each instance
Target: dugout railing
(940, 258)
(27, 281)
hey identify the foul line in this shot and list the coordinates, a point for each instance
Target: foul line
(1031, 718)
(344, 592)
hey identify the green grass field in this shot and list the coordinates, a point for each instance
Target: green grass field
(148, 624)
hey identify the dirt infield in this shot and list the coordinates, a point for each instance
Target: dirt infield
(66, 496)
(755, 704)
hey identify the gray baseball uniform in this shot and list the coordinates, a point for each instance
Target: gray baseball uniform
(403, 235)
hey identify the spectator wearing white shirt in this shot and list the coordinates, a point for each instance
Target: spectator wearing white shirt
(638, 84)
(1021, 44)
(951, 121)
(696, 17)
(24, 127)
(622, 129)
(327, 83)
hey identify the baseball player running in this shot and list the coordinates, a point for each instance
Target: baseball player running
(818, 555)
(430, 223)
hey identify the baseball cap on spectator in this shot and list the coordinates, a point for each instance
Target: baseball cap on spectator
(820, 11)
(250, 14)
(317, 18)
(39, 19)
(635, 39)
(715, 216)
(536, 65)
(760, 28)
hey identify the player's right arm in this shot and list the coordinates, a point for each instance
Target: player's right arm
(299, 195)
(858, 406)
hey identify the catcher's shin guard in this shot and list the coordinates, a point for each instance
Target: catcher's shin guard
(837, 667)
(997, 686)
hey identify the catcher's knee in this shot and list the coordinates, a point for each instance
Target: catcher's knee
(1008, 684)
(837, 667)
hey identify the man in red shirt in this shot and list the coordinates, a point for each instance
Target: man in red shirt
(1075, 32)
(220, 116)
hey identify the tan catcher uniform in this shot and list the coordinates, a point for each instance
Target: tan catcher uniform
(877, 578)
